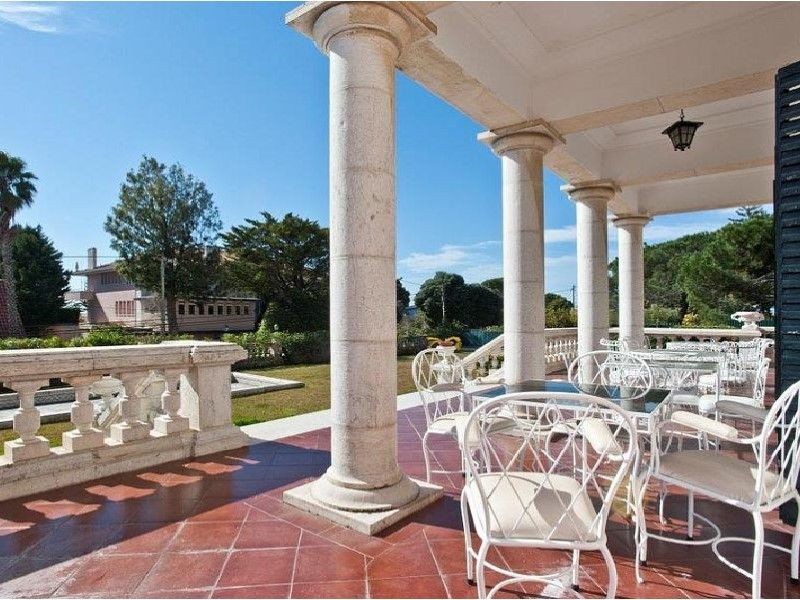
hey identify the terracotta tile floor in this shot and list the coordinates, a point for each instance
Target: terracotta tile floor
(215, 527)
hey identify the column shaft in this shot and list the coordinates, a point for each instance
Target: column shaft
(591, 204)
(631, 276)
(523, 254)
(364, 474)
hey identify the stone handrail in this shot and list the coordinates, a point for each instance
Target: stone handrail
(195, 411)
(660, 335)
(561, 344)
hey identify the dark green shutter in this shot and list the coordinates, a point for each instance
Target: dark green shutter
(786, 199)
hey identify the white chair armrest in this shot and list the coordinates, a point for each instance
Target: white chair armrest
(704, 424)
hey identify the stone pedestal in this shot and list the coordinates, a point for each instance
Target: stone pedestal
(26, 422)
(364, 482)
(591, 205)
(631, 276)
(522, 156)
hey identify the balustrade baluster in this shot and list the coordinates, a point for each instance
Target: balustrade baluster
(84, 436)
(171, 421)
(26, 424)
(130, 405)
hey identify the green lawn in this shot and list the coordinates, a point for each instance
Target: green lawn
(315, 395)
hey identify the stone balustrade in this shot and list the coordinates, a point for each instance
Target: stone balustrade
(194, 419)
(659, 336)
(561, 344)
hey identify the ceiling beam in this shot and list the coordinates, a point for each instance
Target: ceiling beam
(714, 92)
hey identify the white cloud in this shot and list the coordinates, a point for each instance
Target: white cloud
(448, 257)
(33, 16)
(567, 233)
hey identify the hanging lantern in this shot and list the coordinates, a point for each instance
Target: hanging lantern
(681, 133)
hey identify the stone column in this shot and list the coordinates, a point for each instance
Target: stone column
(591, 204)
(523, 253)
(631, 276)
(363, 41)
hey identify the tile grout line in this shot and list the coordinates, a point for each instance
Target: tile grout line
(229, 552)
(436, 564)
(160, 557)
(294, 564)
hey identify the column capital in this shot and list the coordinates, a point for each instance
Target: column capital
(591, 191)
(401, 22)
(540, 141)
(631, 221)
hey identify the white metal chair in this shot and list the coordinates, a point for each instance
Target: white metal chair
(606, 369)
(523, 487)
(711, 403)
(439, 378)
(757, 486)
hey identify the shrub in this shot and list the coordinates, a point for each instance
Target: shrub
(109, 336)
(656, 315)
(690, 320)
(304, 347)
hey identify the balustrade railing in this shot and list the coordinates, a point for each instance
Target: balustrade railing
(561, 345)
(193, 410)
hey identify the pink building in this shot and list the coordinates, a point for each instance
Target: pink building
(112, 299)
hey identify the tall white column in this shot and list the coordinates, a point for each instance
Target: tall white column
(523, 253)
(591, 205)
(631, 275)
(363, 42)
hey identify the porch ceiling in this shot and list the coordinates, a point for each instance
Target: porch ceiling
(610, 76)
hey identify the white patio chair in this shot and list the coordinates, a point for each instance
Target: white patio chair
(607, 369)
(521, 492)
(629, 344)
(757, 486)
(710, 403)
(609, 344)
(439, 378)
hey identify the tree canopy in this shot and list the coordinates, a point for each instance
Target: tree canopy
(17, 190)
(711, 274)
(164, 212)
(403, 300)
(469, 304)
(285, 262)
(40, 277)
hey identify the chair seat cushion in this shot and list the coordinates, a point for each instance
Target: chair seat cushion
(708, 402)
(738, 409)
(450, 423)
(717, 473)
(514, 513)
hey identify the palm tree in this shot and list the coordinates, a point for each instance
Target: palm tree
(16, 192)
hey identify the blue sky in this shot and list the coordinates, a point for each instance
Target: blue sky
(241, 101)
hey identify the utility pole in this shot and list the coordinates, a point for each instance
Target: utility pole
(444, 312)
(573, 294)
(164, 261)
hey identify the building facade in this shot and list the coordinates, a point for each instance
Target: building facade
(111, 299)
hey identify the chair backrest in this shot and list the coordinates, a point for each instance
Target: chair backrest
(778, 460)
(439, 378)
(760, 382)
(546, 466)
(628, 343)
(605, 369)
(609, 344)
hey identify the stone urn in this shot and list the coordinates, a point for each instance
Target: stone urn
(748, 319)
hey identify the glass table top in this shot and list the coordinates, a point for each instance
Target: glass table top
(619, 395)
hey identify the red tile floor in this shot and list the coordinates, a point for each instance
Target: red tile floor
(216, 527)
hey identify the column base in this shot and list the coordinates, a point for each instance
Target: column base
(17, 450)
(364, 517)
(76, 441)
(165, 425)
(128, 432)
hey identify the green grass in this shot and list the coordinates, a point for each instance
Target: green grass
(314, 395)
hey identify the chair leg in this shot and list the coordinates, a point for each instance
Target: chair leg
(612, 572)
(576, 561)
(481, 570)
(690, 516)
(795, 567)
(425, 452)
(758, 554)
(467, 538)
